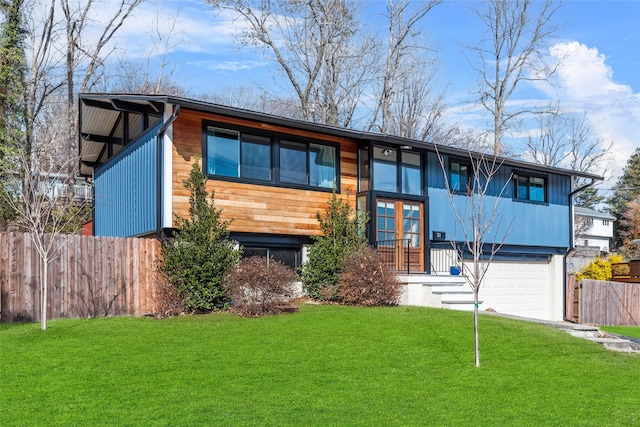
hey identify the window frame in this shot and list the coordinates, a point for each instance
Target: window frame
(275, 139)
(529, 176)
(462, 162)
(399, 165)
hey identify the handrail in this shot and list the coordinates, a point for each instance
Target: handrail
(392, 251)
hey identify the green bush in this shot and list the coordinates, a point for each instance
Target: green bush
(195, 261)
(366, 281)
(342, 234)
(258, 286)
(599, 269)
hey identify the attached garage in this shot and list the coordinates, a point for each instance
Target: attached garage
(524, 288)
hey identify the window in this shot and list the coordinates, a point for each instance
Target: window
(531, 188)
(385, 169)
(255, 157)
(605, 222)
(396, 171)
(459, 176)
(223, 152)
(308, 164)
(289, 256)
(235, 154)
(293, 163)
(411, 173)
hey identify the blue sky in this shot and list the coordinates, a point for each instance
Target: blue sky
(599, 39)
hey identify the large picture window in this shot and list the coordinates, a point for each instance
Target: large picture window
(531, 188)
(397, 171)
(235, 154)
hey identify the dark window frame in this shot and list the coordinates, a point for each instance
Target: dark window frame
(399, 164)
(275, 138)
(461, 162)
(517, 175)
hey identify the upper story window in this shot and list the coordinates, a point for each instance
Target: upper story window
(605, 222)
(307, 164)
(395, 171)
(236, 154)
(459, 176)
(531, 188)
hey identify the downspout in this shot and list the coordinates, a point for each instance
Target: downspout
(159, 166)
(571, 243)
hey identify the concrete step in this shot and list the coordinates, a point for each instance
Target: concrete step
(616, 344)
(452, 291)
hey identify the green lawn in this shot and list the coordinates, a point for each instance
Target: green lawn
(629, 331)
(325, 366)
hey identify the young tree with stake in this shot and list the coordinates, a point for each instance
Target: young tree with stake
(477, 212)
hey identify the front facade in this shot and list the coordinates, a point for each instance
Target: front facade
(271, 176)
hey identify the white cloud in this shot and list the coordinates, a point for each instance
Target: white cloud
(586, 84)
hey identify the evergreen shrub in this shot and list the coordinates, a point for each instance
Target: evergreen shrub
(196, 259)
(342, 234)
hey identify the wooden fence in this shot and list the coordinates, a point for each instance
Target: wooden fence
(91, 277)
(610, 303)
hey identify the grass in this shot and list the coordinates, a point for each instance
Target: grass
(629, 331)
(326, 366)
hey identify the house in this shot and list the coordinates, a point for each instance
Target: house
(593, 231)
(271, 175)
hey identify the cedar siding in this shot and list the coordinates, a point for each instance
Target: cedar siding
(256, 208)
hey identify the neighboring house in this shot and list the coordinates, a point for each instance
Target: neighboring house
(593, 231)
(272, 175)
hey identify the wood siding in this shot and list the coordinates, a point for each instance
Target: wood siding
(91, 277)
(257, 208)
(610, 303)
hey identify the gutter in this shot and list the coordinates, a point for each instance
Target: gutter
(571, 247)
(159, 164)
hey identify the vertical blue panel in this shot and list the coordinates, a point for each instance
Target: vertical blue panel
(126, 190)
(543, 225)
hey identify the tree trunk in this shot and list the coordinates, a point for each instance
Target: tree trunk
(476, 335)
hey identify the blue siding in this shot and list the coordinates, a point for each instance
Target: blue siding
(532, 224)
(126, 190)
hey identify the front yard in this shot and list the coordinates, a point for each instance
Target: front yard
(326, 365)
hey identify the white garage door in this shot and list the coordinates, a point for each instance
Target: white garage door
(517, 288)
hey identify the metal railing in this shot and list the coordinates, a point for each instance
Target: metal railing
(443, 256)
(394, 253)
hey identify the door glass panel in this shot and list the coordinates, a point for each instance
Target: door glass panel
(411, 223)
(386, 222)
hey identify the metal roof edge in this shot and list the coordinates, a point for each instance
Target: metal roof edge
(331, 130)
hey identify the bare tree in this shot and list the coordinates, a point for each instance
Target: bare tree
(155, 74)
(45, 207)
(568, 140)
(510, 54)
(404, 92)
(316, 44)
(477, 212)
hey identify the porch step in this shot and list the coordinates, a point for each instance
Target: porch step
(451, 292)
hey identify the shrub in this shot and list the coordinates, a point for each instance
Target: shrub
(366, 281)
(341, 228)
(258, 286)
(599, 269)
(196, 260)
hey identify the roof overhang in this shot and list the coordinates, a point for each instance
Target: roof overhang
(99, 120)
